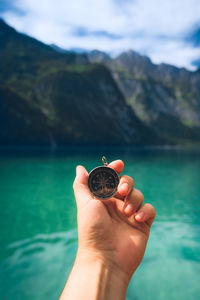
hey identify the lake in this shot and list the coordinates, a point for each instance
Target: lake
(38, 234)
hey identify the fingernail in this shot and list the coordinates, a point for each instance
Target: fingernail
(124, 187)
(128, 208)
(140, 216)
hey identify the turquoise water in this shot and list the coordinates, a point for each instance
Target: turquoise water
(38, 237)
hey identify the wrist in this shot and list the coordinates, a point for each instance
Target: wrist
(106, 274)
(95, 276)
(105, 258)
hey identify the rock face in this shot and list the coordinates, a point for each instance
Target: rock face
(99, 57)
(165, 98)
(52, 98)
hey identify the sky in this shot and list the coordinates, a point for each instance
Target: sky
(166, 31)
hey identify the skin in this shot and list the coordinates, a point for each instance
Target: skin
(112, 238)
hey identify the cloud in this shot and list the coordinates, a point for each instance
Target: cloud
(193, 37)
(83, 32)
(152, 27)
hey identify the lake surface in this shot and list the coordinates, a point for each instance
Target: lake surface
(38, 237)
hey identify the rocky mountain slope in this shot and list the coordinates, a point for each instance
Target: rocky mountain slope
(54, 98)
(165, 98)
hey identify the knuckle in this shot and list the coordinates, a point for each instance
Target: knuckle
(132, 181)
(140, 195)
(127, 179)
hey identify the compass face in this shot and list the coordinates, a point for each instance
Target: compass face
(103, 182)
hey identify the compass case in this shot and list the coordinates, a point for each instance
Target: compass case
(103, 182)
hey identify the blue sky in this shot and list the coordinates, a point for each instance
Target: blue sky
(167, 31)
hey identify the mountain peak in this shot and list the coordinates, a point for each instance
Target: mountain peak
(131, 55)
(98, 56)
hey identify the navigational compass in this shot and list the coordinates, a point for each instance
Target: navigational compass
(103, 181)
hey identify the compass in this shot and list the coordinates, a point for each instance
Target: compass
(103, 181)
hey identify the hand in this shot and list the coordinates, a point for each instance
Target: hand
(113, 231)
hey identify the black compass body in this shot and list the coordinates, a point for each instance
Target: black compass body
(103, 182)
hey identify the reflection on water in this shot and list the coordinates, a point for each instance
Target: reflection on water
(171, 266)
(37, 268)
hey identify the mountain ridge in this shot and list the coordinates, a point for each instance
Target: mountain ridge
(50, 98)
(164, 97)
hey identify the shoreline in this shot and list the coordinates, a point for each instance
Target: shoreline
(94, 148)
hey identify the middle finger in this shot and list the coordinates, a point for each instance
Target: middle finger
(133, 202)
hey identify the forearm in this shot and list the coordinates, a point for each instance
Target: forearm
(94, 279)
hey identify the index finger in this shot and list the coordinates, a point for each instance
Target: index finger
(117, 165)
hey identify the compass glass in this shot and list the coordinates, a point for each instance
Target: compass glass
(103, 182)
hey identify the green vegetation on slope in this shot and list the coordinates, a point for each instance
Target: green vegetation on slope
(51, 98)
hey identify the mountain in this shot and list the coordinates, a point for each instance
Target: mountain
(99, 56)
(164, 97)
(74, 49)
(50, 97)
(59, 49)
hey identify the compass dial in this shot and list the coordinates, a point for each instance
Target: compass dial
(103, 182)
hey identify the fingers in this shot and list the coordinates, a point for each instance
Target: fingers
(117, 165)
(80, 185)
(134, 198)
(133, 202)
(126, 185)
(146, 213)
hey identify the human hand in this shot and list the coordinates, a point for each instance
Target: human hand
(113, 231)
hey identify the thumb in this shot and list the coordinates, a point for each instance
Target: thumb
(80, 186)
